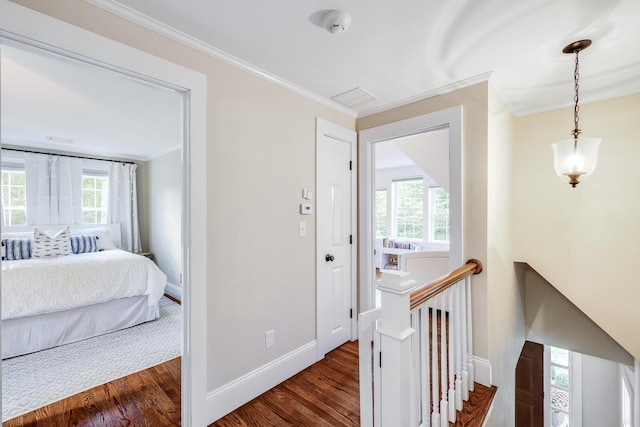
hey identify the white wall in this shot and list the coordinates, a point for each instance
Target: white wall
(601, 393)
(164, 199)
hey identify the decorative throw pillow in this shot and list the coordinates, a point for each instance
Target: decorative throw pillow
(14, 249)
(46, 246)
(103, 237)
(82, 244)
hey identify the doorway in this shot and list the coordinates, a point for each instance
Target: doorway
(24, 27)
(449, 120)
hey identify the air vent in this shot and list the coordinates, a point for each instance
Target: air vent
(59, 139)
(353, 97)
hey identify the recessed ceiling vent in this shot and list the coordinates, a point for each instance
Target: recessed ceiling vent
(353, 97)
(59, 139)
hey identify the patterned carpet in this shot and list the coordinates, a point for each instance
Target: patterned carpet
(37, 379)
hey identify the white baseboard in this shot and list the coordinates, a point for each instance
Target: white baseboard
(173, 290)
(231, 396)
(482, 371)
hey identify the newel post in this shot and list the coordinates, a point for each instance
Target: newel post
(395, 346)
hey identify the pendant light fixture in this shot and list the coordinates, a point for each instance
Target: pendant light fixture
(575, 159)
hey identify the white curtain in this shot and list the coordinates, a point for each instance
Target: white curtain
(123, 204)
(54, 189)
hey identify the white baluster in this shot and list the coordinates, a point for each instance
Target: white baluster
(415, 367)
(470, 368)
(424, 366)
(435, 414)
(452, 365)
(458, 330)
(444, 405)
(465, 359)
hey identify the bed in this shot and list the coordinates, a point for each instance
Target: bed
(53, 300)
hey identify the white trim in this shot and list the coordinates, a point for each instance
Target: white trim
(22, 25)
(451, 118)
(173, 290)
(428, 94)
(483, 371)
(232, 395)
(139, 18)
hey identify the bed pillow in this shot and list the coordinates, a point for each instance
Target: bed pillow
(14, 249)
(103, 237)
(46, 246)
(82, 244)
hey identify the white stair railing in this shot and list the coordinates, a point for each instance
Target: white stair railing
(415, 350)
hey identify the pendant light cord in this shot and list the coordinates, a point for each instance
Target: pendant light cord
(576, 98)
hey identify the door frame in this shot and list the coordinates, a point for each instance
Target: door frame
(27, 27)
(450, 118)
(325, 128)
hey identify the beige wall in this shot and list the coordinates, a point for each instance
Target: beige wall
(584, 240)
(260, 154)
(505, 308)
(164, 199)
(474, 100)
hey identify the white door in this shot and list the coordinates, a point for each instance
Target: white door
(335, 243)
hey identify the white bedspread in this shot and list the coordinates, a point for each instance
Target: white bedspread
(37, 286)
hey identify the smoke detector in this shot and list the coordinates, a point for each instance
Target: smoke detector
(336, 21)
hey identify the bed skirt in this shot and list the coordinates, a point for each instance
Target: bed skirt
(34, 333)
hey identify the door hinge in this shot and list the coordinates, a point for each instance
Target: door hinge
(351, 239)
(350, 165)
(351, 313)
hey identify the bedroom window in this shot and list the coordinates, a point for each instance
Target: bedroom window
(381, 213)
(95, 192)
(408, 208)
(438, 215)
(14, 196)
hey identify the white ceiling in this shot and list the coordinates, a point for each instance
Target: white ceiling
(100, 112)
(398, 51)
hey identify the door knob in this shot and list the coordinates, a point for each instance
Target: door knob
(328, 257)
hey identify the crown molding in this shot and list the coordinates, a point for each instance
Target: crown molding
(145, 21)
(428, 94)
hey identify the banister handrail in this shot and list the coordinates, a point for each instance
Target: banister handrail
(437, 286)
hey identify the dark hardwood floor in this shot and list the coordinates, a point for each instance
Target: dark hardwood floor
(325, 394)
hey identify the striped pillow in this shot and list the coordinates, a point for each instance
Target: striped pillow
(16, 249)
(83, 244)
(45, 246)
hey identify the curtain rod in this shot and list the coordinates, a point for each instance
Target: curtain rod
(67, 155)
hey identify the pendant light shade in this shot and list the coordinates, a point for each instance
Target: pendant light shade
(576, 158)
(574, 162)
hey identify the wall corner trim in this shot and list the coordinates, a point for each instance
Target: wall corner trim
(236, 393)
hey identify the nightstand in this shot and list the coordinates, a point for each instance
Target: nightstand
(146, 254)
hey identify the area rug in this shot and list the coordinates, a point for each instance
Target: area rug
(38, 379)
